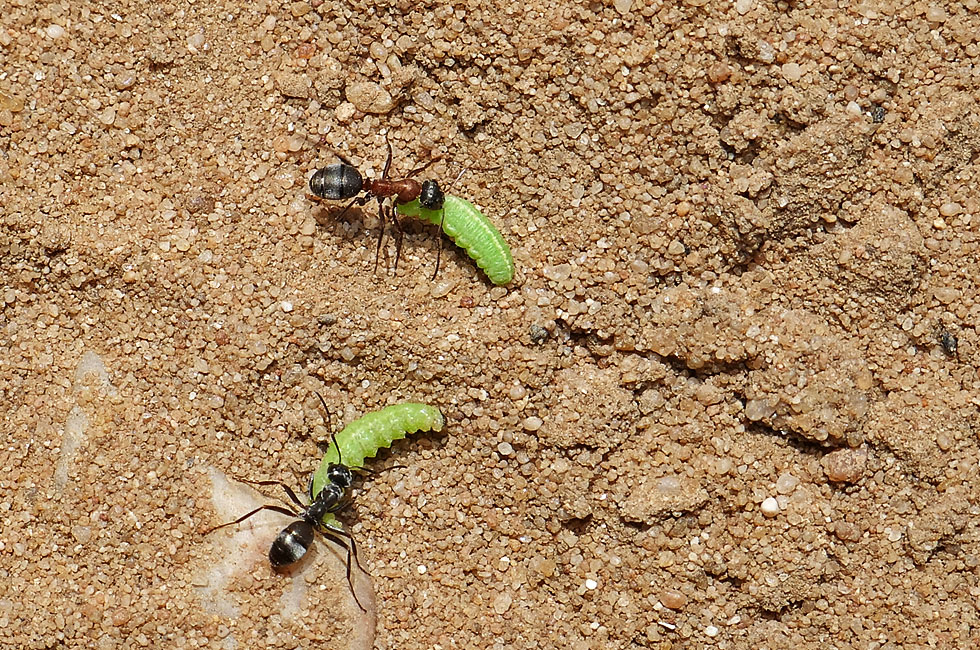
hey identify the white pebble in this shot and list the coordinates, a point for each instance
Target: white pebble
(196, 43)
(711, 630)
(758, 409)
(533, 423)
(287, 306)
(770, 507)
(502, 603)
(55, 31)
(442, 288)
(591, 584)
(422, 569)
(786, 483)
(108, 116)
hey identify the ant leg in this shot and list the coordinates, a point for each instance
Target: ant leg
(359, 201)
(418, 170)
(384, 174)
(349, 206)
(279, 509)
(352, 551)
(289, 490)
(381, 234)
(328, 532)
(439, 250)
(399, 235)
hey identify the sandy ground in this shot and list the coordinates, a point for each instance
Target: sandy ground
(730, 399)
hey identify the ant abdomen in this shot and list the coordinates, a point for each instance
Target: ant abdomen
(291, 544)
(337, 181)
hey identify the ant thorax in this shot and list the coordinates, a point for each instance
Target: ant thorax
(330, 495)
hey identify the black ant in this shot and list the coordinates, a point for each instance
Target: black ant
(342, 181)
(295, 540)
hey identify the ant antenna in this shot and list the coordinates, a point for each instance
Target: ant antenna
(333, 436)
(378, 472)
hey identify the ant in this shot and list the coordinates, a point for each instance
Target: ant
(342, 181)
(295, 540)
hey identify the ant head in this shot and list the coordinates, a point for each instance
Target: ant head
(291, 544)
(431, 197)
(340, 475)
(337, 181)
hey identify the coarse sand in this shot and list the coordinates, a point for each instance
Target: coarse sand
(730, 399)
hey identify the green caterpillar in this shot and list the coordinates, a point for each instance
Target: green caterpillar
(363, 437)
(469, 230)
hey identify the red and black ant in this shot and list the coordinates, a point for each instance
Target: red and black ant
(342, 181)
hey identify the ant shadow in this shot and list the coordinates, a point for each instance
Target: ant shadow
(359, 225)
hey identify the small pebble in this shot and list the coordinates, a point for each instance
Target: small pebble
(197, 42)
(108, 116)
(299, 9)
(845, 465)
(936, 14)
(125, 80)
(502, 603)
(950, 209)
(369, 97)
(846, 531)
(55, 31)
(786, 483)
(717, 73)
(533, 423)
(574, 129)
(770, 507)
(82, 534)
(673, 599)
(442, 288)
(792, 72)
(758, 409)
